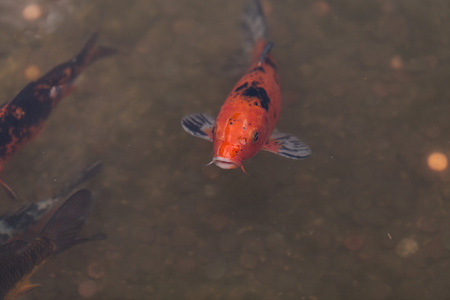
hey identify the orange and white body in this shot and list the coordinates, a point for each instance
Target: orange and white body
(249, 114)
(246, 122)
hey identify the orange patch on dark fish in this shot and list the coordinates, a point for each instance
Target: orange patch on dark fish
(246, 122)
(22, 118)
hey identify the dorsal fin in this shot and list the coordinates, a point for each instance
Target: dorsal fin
(265, 52)
(65, 225)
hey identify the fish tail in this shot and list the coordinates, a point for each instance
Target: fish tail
(92, 52)
(65, 225)
(254, 27)
(61, 77)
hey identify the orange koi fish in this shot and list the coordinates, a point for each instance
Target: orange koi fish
(22, 118)
(246, 122)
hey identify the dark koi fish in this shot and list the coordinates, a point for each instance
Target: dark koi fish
(246, 122)
(19, 260)
(16, 224)
(22, 118)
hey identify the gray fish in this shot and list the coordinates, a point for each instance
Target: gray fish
(17, 223)
(19, 259)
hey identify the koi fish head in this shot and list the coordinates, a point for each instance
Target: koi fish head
(237, 138)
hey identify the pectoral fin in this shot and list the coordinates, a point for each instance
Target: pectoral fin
(22, 288)
(27, 288)
(199, 125)
(287, 145)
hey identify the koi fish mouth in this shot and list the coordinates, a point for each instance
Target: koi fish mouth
(225, 163)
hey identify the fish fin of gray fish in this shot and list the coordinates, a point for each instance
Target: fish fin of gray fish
(86, 174)
(253, 25)
(287, 145)
(199, 125)
(65, 225)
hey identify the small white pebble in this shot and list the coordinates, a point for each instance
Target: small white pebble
(407, 247)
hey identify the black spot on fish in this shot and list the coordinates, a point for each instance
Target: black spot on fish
(260, 93)
(255, 136)
(255, 103)
(241, 87)
(261, 69)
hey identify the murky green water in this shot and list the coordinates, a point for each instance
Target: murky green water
(365, 84)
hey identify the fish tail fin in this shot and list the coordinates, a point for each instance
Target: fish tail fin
(91, 52)
(254, 27)
(65, 225)
(61, 77)
(86, 174)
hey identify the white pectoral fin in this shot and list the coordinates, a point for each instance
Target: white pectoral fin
(287, 145)
(199, 125)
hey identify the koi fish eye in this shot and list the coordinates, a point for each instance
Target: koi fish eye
(255, 136)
